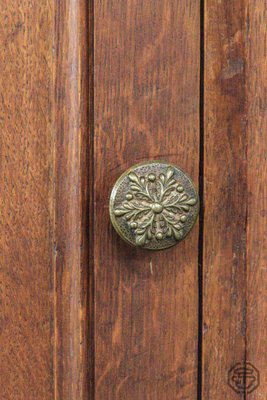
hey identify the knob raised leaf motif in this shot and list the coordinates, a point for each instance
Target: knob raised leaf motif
(154, 206)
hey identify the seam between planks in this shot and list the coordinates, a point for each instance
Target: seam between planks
(201, 196)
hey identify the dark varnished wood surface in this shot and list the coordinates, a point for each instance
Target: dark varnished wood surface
(146, 107)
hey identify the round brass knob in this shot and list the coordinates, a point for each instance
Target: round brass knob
(153, 205)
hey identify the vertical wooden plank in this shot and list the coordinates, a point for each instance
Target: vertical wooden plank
(225, 192)
(146, 107)
(44, 175)
(235, 281)
(257, 194)
(26, 200)
(73, 308)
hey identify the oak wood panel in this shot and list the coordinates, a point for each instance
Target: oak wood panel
(257, 194)
(44, 177)
(235, 195)
(146, 107)
(26, 200)
(225, 193)
(72, 182)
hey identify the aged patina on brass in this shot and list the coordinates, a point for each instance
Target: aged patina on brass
(153, 205)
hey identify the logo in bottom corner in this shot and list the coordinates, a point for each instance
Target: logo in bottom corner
(244, 378)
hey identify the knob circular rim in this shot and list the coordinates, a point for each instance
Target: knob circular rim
(153, 205)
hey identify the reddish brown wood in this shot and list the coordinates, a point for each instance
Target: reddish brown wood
(90, 343)
(26, 200)
(87, 90)
(146, 107)
(235, 202)
(73, 310)
(257, 194)
(225, 194)
(44, 208)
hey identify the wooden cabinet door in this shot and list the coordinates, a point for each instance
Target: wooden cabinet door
(88, 89)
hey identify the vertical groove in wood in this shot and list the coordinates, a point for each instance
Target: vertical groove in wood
(71, 200)
(225, 189)
(201, 196)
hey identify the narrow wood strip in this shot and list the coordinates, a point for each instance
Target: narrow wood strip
(225, 190)
(91, 237)
(72, 150)
(146, 107)
(257, 195)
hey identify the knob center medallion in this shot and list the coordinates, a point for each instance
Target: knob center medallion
(156, 208)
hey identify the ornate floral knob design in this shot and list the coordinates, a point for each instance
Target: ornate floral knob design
(153, 205)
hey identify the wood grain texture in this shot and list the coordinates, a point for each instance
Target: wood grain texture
(225, 190)
(257, 194)
(235, 203)
(146, 107)
(26, 199)
(72, 286)
(89, 88)
(44, 210)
